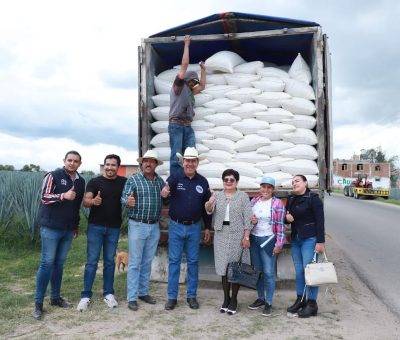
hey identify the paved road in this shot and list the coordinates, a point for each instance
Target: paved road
(369, 234)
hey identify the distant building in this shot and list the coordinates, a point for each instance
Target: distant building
(345, 171)
(125, 169)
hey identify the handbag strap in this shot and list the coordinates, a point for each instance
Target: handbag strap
(314, 260)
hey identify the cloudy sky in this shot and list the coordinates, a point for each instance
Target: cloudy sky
(68, 72)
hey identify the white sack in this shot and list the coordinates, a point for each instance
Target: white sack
(300, 166)
(223, 144)
(215, 183)
(223, 118)
(301, 136)
(201, 125)
(201, 136)
(274, 115)
(244, 169)
(218, 156)
(272, 165)
(224, 61)
(216, 79)
(202, 112)
(168, 75)
(162, 86)
(222, 104)
(160, 140)
(279, 177)
(247, 110)
(250, 67)
(201, 148)
(191, 67)
(301, 121)
(241, 79)
(218, 91)
(160, 126)
(250, 125)
(299, 106)
(163, 153)
(251, 143)
(297, 88)
(250, 157)
(248, 183)
(163, 169)
(244, 95)
(271, 99)
(269, 84)
(202, 98)
(275, 148)
(300, 70)
(160, 113)
(300, 151)
(272, 72)
(211, 170)
(276, 131)
(161, 99)
(225, 132)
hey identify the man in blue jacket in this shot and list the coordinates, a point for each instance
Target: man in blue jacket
(61, 198)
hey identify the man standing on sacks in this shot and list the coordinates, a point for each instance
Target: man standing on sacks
(185, 86)
(188, 191)
(142, 195)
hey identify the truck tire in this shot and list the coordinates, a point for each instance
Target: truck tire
(346, 190)
(351, 192)
(356, 196)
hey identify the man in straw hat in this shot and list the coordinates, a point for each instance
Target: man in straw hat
(142, 195)
(188, 191)
(185, 86)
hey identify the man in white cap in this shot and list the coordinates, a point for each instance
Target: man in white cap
(185, 86)
(188, 191)
(142, 196)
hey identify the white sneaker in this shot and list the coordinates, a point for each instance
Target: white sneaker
(110, 301)
(83, 304)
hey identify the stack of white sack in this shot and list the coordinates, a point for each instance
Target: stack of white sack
(254, 117)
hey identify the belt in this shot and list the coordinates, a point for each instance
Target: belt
(225, 223)
(144, 221)
(183, 222)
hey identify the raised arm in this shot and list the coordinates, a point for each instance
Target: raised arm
(185, 57)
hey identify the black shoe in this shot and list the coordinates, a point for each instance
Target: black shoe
(170, 304)
(298, 304)
(267, 311)
(148, 299)
(132, 305)
(60, 302)
(232, 308)
(193, 303)
(38, 312)
(310, 309)
(257, 304)
(224, 307)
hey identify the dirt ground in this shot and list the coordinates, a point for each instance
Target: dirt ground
(347, 310)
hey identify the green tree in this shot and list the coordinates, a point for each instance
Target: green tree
(7, 167)
(89, 173)
(31, 168)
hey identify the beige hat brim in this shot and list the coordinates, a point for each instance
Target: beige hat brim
(140, 160)
(200, 158)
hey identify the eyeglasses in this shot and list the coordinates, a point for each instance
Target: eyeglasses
(229, 180)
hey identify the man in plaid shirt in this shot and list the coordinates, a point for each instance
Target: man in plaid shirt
(142, 196)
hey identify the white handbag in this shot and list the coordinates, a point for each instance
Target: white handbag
(319, 273)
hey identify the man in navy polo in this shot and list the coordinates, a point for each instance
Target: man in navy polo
(189, 192)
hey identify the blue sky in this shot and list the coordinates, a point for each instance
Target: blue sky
(68, 72)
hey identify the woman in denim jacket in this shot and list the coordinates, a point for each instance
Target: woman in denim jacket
(305, 213)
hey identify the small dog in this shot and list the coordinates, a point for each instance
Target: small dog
(121, 259)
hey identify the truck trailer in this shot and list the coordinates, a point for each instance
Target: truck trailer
(255, 38)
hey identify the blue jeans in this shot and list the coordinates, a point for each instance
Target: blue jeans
(97, 237)
(265, 263)
(180, 236)
(302, 254)
(55, 246)
(143, 241)
(180, 137)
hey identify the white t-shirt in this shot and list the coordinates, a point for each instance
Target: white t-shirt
(262, 210)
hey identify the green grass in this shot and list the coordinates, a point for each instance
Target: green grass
(18, 267)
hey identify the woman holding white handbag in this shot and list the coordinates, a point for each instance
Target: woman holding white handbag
(305, 213)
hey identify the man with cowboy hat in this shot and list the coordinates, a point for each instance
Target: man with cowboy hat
(142, 195)
(188, 191)
(185, 86)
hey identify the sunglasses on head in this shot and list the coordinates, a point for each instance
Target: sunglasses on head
(229, 180)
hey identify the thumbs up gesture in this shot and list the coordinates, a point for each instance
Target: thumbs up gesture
(97, 200)
(165, 190)
(211, 202)
(70, 194)
(131, 200)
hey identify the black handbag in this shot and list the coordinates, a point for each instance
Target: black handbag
(243, 273)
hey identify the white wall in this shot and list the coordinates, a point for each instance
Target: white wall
(382, 183)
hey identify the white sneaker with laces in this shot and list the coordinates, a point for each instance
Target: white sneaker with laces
(83, 304)
(110, 301)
